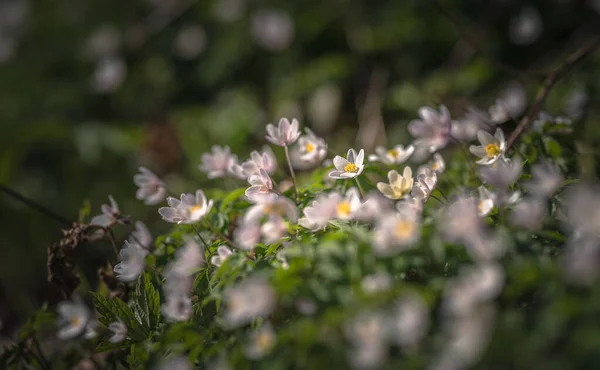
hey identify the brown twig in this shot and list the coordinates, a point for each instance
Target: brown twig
(549, 82)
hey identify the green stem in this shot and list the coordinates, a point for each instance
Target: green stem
(200, 236)
(359, 187)
(289, 162)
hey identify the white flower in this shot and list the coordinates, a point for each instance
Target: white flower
(474, 286)
(237, 171)
(432, 130)
(499, 112)
(581, 261)
(188, 258)
(502, 174)
(217, 163)
(396, 232)
(261, 188)
(273, 29)
(426, 182)
(222, 253)
(285, 133)
(133, 260)
(188, 210)
(399, 186)
(321, 211)
(409, 320)
(376, 283)
(486, 201)
(119, 330)
(272, 209)
(466, 128)
(460, 222)
(141, 236)
(273, 230)
(437, 165)
(265, 160)
(396, 155)
(178, 307)
(110, 214)
(176, 363)
(248, 300)
(491, 148)
(546, 180)
(375, 204)
(346, 208)
(367, 334)
(312, 149)
(151, 189)
(73, 318)
(583, 210)
(261, 342)
(247, 235)
(348, 168)
(529, 214)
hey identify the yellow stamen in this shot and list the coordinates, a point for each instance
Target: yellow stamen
(492, 150)
(264, 341)
(344, 209)
(393, 152)
(434, 166)
(75, 321)
(404, 229)
(196, 208)
(309, 147)
(351, 167)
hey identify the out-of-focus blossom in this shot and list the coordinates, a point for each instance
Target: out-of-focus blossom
(544, 118)
(426, 182)
(491, 149)
(141, 236)
(248, 300)
(323, 107)
(514, 98)
(368, 335)
(433, 129)
(109, 74)
(526, 26)
(230, 10)
(581, 261)
(397, 155)
(217, 163)
(110, 214)
(546, 180)
(175, 363)
(322, 210)
(486, 201)
(265, 160)
(583, 210)
(237, 171)
(312, 149)
(187, 210)
(499, 112)
(247, 235)
(91, 329)
(503, 174)
(188, 258)
(395, 232)
(285, 133)
(261, 188)
(73, 318)
(348, 168)
(529, 214)
(119, 331)
(399, 186)
(474, 286)
(261, 342)
(132, 261)
(190, 41)
(178, 307)
(374, 204)
(104, 41)
(222, 253)
(460, 222)
(346, 208)
(273, 29)
(272, 209)
(410, 318)
(466, 128)
(273, 230)
(151, 189)
(437, 165)
(576, 103)
(376, 283)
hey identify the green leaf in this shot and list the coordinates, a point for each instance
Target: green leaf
(232, 197)
(111, 310)
(146, 305)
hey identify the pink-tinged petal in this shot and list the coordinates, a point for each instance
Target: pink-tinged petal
(113, 203)
(157, 197)
(200, 197)
(444, 115)
(360, 158)
(273, 141)
(478, 151)
(336, 174)
(101, 220)
(340, 162)
(254, 214)
(351, 155)
(170, 214)
(140, 179)
(418, 128)
(428, 114)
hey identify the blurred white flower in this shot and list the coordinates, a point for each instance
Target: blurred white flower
(110, 214)
(576, 102)
(347, 206)
(376, 283)
(396, 155)
(312, 149)
(187, 210)
(141, 236)
(175, 363)
(546, 180)
(273, 230)
(526, 26)
(529, 214)
(261, 187)
(104, 41)
(272, 209)
(348, 168)
(132, 262)
(396, 232)
(217, 163)
(432, 131)
(514, 98)
(474, 286)
(437, 165)
(583, 210)
(248, 300)
(323, 107)
(247, 235)
(410, 318)
(368, 334)
(273, 29)
(460, 221)
(491, 149)
(261, 342)
(222, 253)
(265, 160)
(190, 41)
(399, 185)
(322, 210)
(466, 128)
(178, 307)
(230, 10)
(581, 261)
(375, 204)
(502, 174)
(486, 201)
(188, 258)
(119, 331)
(73, 318)
(499, 112)
(426, 182)
(285, 133)
(109, 74)
(151, 189)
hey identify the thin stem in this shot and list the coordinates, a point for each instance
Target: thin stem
(442, 194)
(465, 154)
(200, 236)
(216, 231)
(35, 205)
(287, 156)
(43, 359)
(359, 187)
(438, 199)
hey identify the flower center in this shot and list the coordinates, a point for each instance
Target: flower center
(492, 150)
(435, 166)
(309, 147)
(344, 209)
(351, 167)
(393, 153)
(75, 321)
(264, 341)
(196, 211)
(404, 229)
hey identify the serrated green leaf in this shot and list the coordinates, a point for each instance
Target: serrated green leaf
(111, 310)
(146, 305)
